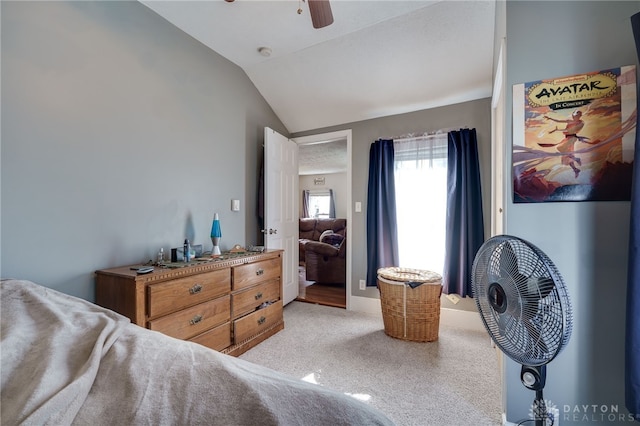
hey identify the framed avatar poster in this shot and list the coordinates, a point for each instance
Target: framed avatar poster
(573, 137)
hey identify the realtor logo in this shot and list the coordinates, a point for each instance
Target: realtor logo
(544, 410)
(597, 413)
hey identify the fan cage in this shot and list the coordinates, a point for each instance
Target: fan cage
(536, 323)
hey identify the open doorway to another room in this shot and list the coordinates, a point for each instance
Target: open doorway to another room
(323, 211)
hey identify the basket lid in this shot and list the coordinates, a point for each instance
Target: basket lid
(396, 273)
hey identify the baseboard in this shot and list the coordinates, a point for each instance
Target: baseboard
(555, 415)
(461, 319)
(467, 320)
(368, 305)
(505, 422)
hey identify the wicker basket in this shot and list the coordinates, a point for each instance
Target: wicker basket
(410, 313)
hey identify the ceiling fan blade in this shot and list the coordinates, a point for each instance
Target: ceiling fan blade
(320, 11)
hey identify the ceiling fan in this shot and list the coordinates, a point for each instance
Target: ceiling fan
(320, 11)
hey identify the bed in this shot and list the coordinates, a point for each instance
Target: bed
(67, 361)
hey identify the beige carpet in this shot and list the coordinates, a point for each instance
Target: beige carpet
(454, 381)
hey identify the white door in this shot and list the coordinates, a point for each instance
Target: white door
(281, 207)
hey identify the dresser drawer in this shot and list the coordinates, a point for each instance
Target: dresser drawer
(194, 320)
(249, 299)
(217, 338)
(253, 273)
(174, 295)
(252, 324)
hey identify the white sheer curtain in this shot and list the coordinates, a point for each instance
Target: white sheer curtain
(421, 200)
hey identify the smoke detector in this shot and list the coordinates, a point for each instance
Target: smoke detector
(264, 51)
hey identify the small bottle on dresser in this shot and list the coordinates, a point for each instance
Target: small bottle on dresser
(187, 251)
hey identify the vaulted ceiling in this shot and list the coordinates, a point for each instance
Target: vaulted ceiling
(378, 58)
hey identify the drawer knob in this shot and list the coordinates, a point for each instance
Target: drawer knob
(261, 320)
(258, 296)
(260, 271)
(195, 320)
(195, 289)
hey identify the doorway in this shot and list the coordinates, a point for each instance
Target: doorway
(340, 180)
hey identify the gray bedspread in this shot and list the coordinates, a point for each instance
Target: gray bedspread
(67, 361)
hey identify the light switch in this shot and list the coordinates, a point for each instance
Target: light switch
(235, 205)
(358, 206)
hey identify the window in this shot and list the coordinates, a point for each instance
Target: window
(319, 204)
(421, 200)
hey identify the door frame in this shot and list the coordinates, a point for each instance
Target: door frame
(327, 137)
(499, 170)
(498, 148)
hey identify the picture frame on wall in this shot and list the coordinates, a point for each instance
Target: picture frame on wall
(573, 137)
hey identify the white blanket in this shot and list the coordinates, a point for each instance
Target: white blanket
(67, 361)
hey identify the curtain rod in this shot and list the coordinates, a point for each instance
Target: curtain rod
(412, 136)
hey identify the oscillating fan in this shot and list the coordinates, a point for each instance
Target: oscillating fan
(524, 306)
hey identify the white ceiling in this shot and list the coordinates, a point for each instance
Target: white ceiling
(322, 158)
(378, 58)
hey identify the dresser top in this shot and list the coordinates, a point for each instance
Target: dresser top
(197, 266)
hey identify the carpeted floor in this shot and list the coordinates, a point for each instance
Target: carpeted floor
(454, 381)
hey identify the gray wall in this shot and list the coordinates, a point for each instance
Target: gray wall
(120, 135)
(473, 114)
(587, 241)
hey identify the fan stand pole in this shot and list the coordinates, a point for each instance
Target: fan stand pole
(540, 410)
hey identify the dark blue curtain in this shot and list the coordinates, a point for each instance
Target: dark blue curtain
(464, 223)
(332, 204)
(382, 230)
(632, 355)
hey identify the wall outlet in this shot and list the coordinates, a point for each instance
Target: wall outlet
(363, 285)
(453, 298)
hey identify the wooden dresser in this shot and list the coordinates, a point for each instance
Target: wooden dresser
(229, 304)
